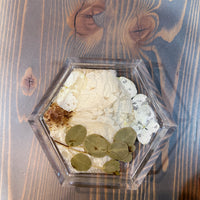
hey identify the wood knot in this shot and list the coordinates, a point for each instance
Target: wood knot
(141, 28)
(87, 20)
(28, 82)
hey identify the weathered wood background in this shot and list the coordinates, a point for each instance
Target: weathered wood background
(36, 36)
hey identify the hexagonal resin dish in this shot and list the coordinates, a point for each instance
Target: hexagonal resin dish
(102, 123)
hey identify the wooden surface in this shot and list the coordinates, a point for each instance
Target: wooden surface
(36, 36)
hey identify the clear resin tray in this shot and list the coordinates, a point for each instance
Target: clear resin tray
(131, 174)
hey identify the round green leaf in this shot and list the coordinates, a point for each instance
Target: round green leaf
(111, 166)
(132, 148)
(118, 150)
(96, 145)
(128, 158)
(81, 162)
(75, 135)
(127, 135)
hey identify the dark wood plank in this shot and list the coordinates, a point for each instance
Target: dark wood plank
(35, 39)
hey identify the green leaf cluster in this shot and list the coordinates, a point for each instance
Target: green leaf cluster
(123, 145)
(97, 146)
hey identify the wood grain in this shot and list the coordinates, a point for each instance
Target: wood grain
(41, 35)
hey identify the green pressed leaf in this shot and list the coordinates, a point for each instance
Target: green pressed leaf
(111, 166)
(128, 158)
(75, 135)
(96, 145)
(127, 135)
(81, 162)
(132, 148)
(117, 173)
(118, 150)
